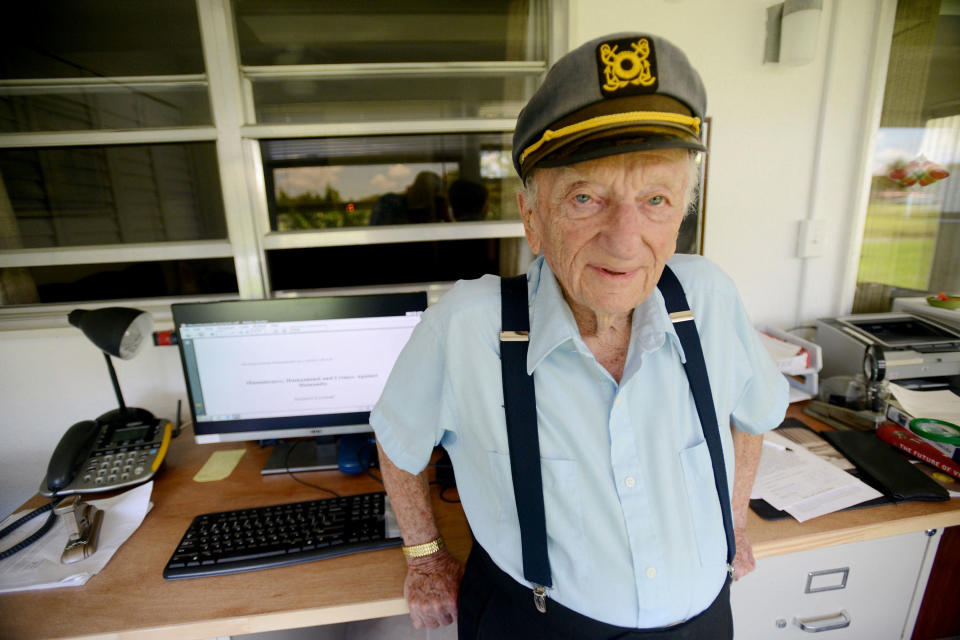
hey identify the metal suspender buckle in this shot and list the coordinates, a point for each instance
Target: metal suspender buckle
(514, 336)
(540, 598)
(681, 316)
(730, 569)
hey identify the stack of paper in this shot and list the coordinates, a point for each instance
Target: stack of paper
(794, 480)
(789, 358)
(941, 405)
(38, 566)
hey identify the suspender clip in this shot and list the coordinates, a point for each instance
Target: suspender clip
(514, 336)
(540, 598)
(730, 570)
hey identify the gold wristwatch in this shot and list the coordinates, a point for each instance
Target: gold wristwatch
(425, 549)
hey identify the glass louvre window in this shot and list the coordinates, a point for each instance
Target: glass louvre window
(307, 32)
(104, 195)
(410, 98)
(385, 264)
(390, 61)
(388, 180)
(912, 233)
(98, 64)
(89, 282)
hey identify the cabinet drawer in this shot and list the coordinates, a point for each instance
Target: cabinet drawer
(859, 590)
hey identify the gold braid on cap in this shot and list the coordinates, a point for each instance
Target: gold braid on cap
(614, 118)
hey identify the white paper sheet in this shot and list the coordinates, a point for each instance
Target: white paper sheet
(942, 405)
(38, 566)
(792, 479)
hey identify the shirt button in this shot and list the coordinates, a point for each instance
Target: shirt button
(651, 572)
(616, 402)
(630, 482)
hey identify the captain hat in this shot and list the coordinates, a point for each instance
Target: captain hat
(617, 94)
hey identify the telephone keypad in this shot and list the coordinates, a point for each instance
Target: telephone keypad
(123, 464)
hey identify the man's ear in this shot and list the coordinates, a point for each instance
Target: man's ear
(529, 224)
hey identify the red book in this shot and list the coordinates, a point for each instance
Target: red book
(917, 447)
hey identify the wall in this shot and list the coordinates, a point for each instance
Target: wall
(769, 124)
(765, 132)
(52, 378)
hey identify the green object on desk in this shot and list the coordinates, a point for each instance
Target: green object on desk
(936, 430)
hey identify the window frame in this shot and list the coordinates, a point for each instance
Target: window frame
(237, 138)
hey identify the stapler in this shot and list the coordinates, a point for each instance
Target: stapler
(83, 522)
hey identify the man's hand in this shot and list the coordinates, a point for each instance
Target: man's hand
(743, 562)
(431, 589)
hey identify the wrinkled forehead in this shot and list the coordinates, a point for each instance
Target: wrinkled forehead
(669, 167)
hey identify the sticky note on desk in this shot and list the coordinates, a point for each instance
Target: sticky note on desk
(220, 465)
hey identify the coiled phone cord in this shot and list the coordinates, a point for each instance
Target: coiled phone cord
(36, 535)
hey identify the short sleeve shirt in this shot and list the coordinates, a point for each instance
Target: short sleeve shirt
(635, 535)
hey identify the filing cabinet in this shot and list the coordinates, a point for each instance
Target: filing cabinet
(870, 590)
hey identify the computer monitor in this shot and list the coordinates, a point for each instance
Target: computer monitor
(284, 368)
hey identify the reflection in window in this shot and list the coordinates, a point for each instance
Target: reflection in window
(392, 263)
(404, 98)
(75, 196)
(310, 32)
(88, 282)
(912, 230)
(389, 180)
(99, 39)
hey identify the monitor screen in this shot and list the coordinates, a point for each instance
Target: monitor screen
(288, 367)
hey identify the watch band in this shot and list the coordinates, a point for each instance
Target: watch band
(425, 549)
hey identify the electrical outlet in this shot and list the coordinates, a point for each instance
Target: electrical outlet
(811, 239)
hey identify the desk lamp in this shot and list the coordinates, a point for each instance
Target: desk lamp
(120, 332)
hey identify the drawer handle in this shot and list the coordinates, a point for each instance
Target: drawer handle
(824, 623)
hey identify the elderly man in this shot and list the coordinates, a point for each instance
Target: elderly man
(581, 404)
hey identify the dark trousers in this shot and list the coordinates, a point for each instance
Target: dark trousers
(493, 606)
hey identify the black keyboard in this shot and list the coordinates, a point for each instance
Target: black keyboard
(283, 534)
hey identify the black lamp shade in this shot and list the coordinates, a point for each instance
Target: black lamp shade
(118, 331)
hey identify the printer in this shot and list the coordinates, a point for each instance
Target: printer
(917, 352)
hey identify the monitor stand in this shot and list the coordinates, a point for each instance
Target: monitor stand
(318, 454)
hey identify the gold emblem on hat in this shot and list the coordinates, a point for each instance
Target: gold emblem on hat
(627, 67)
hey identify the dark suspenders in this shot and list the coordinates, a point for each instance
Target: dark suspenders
(519, 404)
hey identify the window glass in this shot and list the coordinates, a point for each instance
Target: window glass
(99, 39)
(74, 196)
(86, 282)
(121, 107)
(382, 264)
(98, 64)
(912, 233)
(289, 32)
(381, 180)
(410, 98)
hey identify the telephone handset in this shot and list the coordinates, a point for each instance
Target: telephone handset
(97, 455)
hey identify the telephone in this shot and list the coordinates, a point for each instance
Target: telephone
(101, 455)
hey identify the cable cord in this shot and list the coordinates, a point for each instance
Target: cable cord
(36, 535)
(286, 464)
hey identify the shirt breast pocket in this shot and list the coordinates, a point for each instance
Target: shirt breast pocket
(702, 503)
(561, 504)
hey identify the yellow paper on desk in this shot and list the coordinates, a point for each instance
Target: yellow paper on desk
(220, 465)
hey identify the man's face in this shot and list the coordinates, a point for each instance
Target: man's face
(606, 227)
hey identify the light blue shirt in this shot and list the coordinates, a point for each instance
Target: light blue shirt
(635, 536)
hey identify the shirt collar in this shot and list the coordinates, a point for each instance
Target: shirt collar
(552, 322)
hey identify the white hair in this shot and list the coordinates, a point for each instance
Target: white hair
(529, 189)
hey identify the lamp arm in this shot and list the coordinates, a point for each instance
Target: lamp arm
(116, 383)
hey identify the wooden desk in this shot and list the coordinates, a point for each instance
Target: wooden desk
(130, 598)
